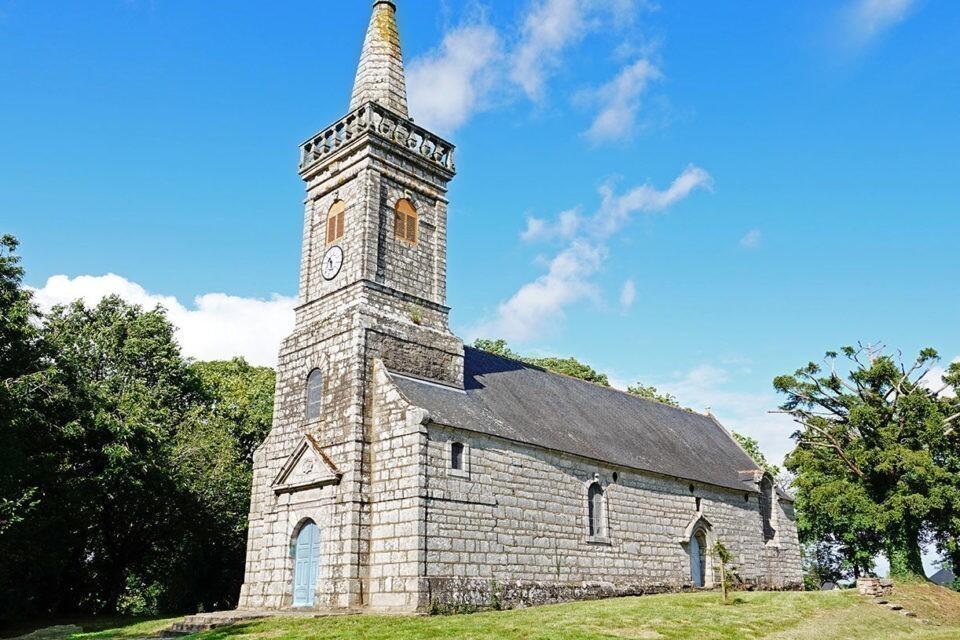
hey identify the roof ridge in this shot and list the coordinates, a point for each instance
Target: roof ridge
(519, 360)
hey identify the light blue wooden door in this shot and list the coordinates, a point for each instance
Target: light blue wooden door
(696, 571)
(306, 560)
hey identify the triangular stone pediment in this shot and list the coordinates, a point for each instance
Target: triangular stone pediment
(307, 467)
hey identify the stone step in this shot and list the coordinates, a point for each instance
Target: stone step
(207, 621)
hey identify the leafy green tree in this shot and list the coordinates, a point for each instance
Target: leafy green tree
(726, 569)
(497, 347)
(19, 357)
(946, 518)
(130, 390)
(573, 368)
(821, 563)
(213, 452)
(872, 457)
(32, 406)
(651, 393)
(241, 396)
(124, 469)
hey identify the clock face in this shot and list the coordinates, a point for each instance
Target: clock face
(332, 261)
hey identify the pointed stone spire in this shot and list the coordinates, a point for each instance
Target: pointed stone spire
(380, 76)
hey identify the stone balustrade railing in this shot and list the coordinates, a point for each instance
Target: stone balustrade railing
(374, 119)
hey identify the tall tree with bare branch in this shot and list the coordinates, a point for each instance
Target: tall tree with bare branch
(875, 454)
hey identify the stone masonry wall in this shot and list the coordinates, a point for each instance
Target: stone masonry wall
(370, 179)
(332, 347)
(386, 302)
(514, 527)
(398, 452)
(783, 558)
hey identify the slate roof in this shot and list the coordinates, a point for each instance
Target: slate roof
(524, 403)
(943, 577)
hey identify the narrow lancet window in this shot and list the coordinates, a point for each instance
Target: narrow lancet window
(595, 511)
(767, 505)
(456, 456)
(314, 394)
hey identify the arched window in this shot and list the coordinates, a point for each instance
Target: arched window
(314, 394)
(456, 456)
(595, 515)
(405, 220)
(767, 504)
(335, 221)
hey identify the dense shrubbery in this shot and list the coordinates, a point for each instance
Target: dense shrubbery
(124, 468)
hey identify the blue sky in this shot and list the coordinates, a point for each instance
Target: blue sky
(700, 196)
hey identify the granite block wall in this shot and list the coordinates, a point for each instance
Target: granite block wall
(515, 527)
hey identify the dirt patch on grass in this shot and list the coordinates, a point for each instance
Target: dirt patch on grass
(929, 601)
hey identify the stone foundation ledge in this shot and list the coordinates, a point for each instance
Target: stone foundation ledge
(452, 595)
(449, 595)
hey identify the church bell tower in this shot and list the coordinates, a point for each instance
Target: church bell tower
(372, 289)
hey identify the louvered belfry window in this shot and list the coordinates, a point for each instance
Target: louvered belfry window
(335, 221)
(405, 220)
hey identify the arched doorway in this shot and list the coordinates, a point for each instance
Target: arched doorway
(305, 562)
(698, 558)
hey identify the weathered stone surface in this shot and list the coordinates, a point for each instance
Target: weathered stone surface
(876, 587)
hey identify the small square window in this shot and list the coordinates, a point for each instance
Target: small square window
(458, 459)
(456, 456)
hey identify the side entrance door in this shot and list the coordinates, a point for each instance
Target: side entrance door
(307, 557)
(696, 568)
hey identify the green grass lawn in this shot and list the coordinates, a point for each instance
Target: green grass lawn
(109, 627)
(700, 616)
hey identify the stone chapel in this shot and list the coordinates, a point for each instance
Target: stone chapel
(407, 472)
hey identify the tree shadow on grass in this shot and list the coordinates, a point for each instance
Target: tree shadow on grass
(230, 631)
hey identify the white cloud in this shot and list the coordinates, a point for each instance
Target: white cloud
(537, 229)
(565, 227)
(752, 239)
(867, 19)
(616, 210)
(568, 279)
(548, 28)
(933, 381)
(217, 326)
(711, 387)
(448, 85)
(539, 305)
(628, 294)
(620, 102)
(476, 67)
